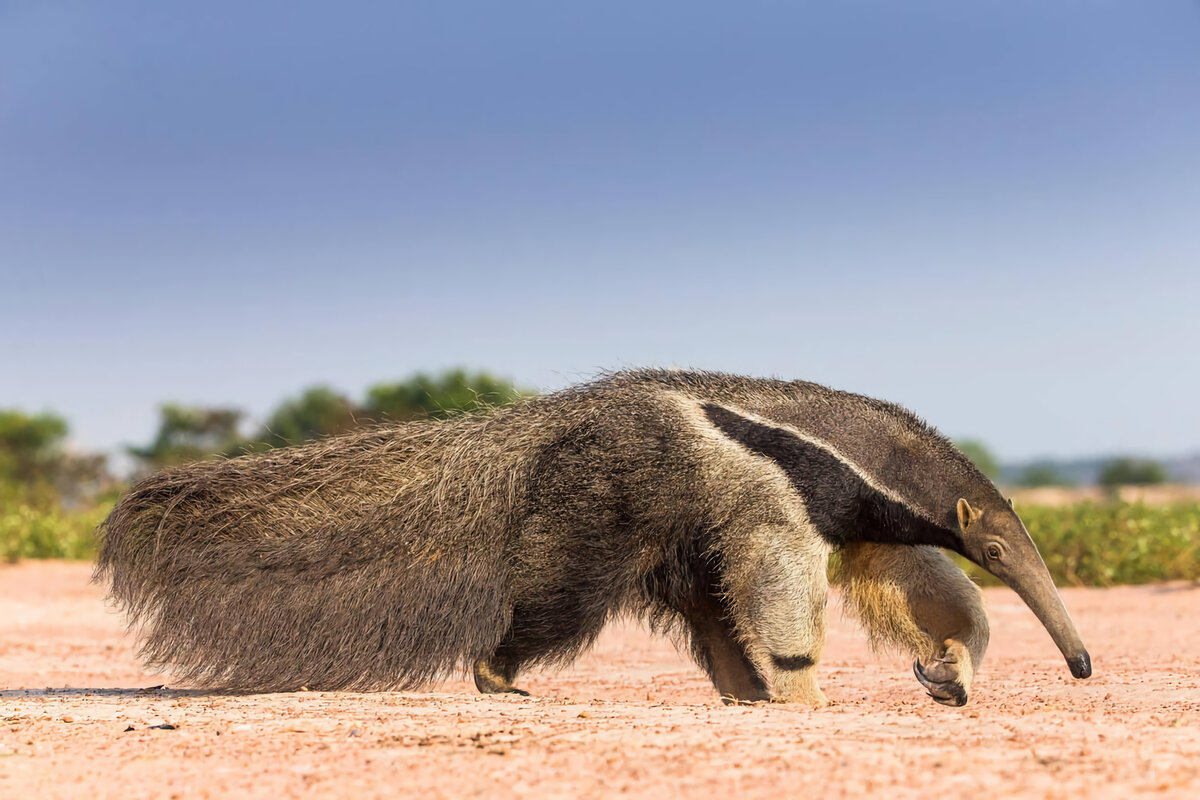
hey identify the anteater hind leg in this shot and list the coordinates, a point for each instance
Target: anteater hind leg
(494, 675)
(552, 631)
(722, 656)
(915, 598)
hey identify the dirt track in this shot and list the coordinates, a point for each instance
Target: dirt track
(632, 718)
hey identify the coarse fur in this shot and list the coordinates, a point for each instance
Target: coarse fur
(915, 599)
(705, 503)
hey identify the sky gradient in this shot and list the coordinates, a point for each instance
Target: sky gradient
(989, 212)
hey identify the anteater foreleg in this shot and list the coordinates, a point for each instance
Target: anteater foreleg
(915, 598)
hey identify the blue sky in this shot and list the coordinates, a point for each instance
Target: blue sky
(986, 211)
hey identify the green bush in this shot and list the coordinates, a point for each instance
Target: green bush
(1104, 544)
(31, 527)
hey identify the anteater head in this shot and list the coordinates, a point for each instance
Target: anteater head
(871, 470)
(993, 537)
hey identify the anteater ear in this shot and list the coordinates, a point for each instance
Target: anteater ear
(966, 514)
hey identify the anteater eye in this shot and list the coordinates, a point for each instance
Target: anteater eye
(993, 551)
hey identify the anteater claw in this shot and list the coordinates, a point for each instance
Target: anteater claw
(948, 693)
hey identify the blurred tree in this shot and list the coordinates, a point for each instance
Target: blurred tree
(30, 445)
(187, 434)
(80, 477)
(317, 411)
(190, 433)
(1131, 472)
(439, 396)
(33, 460)
(981, 456)
(1036, 475)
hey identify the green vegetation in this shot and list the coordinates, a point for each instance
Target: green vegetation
(1131, 472)
(29, 445)
(317, 411)
(35, 526)
(50, 500)
(32, 456)
(189, 433)
(439, 397)
(1038, 475)
(1104, 544)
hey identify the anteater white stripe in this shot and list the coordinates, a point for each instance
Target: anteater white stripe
(866, 477)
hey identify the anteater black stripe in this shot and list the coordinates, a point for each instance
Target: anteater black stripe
(842, 506)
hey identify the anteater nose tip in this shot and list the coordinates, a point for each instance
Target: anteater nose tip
(1081, 665)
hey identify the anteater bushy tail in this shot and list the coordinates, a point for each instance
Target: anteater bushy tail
(372, 560)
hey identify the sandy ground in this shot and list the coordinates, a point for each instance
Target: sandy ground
(631, 718)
